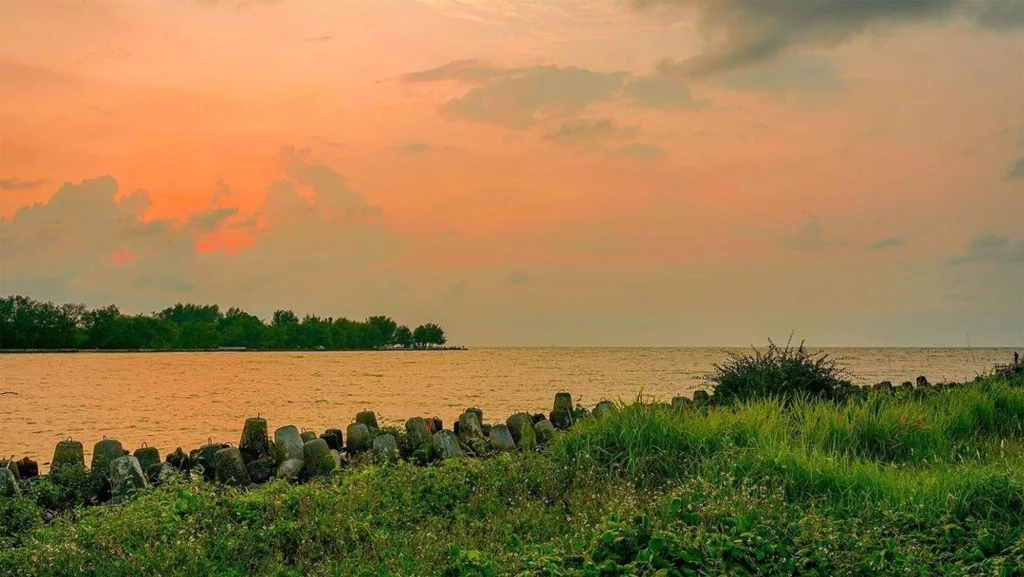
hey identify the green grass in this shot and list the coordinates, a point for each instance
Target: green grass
(883, 485)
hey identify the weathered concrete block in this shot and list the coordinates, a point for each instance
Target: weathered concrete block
(515, 424)
(334, 438)
(318, 458)
(545, 432)
(255, 441)
(262, 469)
(290, 470)
(417, 430)
(528, 436)
(446, 445)
(8, 484)
(68, 452)
(308, 436)
(368, 418)
(230, 467)
(27, 469)
(386, 446)
(147, 456)
(701, 398)
(680, 402)
(358, 438)
(207, 458)
(179, 460)
(922, 381)
(501, 438)
(126, 477)
(287, 443)
(103, 453)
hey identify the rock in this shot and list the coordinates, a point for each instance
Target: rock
(905, 386)
(261, 470)
(528, 437)
(287, 443)
(103, 453)
(335, 439)
(153, 472)
(367, 418)
(229, 467)
(307, 436)
(290, 470)
(418, 431)
(179, 460)
(68, 452)
(563, 402)
(479, 413)
(538, 417)
(386, 445)
(147, 456)
(515, 424)
(561, 420)
(606, 408)
(319, 459)
(471, 434)
(27, 469)
(922, 381)
(255, 441)
(126, 477)
(8, 484)
(680, 402)
(884, 387)
(358, 438)
(701, 398)
(501, 438)
(446, 445)
(545, 432)
(486, 428)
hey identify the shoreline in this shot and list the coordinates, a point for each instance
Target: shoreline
(224, 350)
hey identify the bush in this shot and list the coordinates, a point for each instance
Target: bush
(785, 373)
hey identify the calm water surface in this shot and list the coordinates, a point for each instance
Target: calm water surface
(182, 399)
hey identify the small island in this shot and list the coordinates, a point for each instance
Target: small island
(28, 325)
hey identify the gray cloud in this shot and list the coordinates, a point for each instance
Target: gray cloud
(805, 73)
(518, 277)
(811, 236)
(520, 97)
(1016, 170)
(211, 219)
(746, 32)
(414, 147)
(587, 131)
(638, 150)
(991, 248)
(18, 184)
(890, 242)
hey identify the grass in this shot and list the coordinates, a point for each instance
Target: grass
(888, 485)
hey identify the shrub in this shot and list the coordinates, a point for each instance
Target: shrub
(786, 373)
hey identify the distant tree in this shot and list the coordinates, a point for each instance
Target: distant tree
(241, 329)
(197, 335)
(185, 313)
(386, 326)
(284, 318)
(403, 336)
(428, 334)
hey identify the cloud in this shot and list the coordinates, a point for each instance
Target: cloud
(414, 147)
(740, 33)
(518, 277)
(639, 151)
(587, 131)
(992, 248)
(887, 243)
(811, 236)
(18, 184)
(89, 241)
(1016, 170)
(518, 98)
(470, 70)
(805, 73)
(659, 91)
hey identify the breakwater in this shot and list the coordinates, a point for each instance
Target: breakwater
(297, 454)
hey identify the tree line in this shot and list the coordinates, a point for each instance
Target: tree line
(26, 323)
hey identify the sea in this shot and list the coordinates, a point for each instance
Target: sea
(170, 400)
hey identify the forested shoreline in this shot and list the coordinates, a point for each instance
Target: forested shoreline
(29, 324)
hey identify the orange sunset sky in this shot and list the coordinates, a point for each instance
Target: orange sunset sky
(556, 172)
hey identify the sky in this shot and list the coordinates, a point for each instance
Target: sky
(526, 172)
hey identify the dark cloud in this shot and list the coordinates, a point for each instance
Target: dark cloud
(18, 184)
(414, 147)
(520, 97)
(886, 243)
(639, 150)
(470, 70)
(518, 277)
(806, 73)
(587, 131)
(747, 32)
(320, 39)
(1016, 170)
(211, 219)
(992, 248)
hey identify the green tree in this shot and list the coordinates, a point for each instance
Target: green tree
(386, 326)
(428, 334)
(403, 336)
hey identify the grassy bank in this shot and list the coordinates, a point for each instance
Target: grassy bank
(888, 484)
